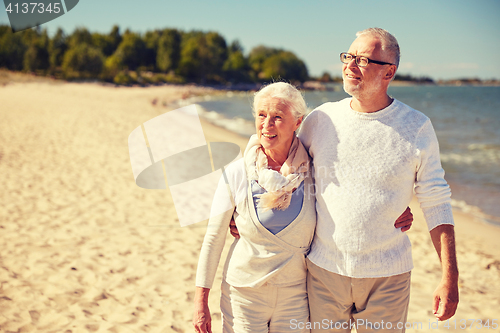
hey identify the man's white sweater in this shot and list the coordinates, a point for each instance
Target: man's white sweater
(367, 167)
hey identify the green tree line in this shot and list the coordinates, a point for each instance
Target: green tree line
(168, 55)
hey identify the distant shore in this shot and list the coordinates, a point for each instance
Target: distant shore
(7, 76)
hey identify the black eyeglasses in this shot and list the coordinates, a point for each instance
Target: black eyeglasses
(360, 61)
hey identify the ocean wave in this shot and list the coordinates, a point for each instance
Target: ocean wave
(236, 124)
(475, 211)
(477, 154)
(484, 146)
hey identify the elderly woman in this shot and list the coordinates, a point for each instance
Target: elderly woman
(263, 288)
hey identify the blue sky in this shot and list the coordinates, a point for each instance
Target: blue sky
(442, 39)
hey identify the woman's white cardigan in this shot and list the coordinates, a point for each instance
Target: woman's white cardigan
(258, 256)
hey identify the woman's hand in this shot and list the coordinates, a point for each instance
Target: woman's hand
(405, 220)
(202, 320)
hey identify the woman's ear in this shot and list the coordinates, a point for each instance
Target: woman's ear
(299, 121)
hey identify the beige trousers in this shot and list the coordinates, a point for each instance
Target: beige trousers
(264, 309)
(338, 303)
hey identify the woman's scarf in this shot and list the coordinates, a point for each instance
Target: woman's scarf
(279, 185)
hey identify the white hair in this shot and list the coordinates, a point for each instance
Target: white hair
(389, 42)
(286, 93)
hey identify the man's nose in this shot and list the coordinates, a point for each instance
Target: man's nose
(352, 63)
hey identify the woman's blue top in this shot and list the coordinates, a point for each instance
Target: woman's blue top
(276, 220)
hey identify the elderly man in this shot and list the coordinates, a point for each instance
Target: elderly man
(370, 154)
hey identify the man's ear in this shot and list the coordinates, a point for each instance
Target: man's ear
(390, 73)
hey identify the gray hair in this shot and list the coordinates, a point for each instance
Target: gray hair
(288, 94)
(389, 42)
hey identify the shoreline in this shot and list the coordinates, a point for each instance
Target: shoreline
(83, 248)
(7, 76)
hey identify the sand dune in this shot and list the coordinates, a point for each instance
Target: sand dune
(83, 249)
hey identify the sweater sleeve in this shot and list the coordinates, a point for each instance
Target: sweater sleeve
(213, 243)
(431, 189)
(307, 130)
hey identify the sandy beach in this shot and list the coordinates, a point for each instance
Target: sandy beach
(84, 249)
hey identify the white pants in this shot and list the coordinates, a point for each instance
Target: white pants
(264, 309)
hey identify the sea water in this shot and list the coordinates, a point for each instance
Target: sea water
(466, 120)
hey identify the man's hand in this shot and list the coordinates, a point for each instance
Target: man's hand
(445, 298)
(405, 220)
(233, 229)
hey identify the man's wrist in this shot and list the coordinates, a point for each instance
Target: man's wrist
(450, 277)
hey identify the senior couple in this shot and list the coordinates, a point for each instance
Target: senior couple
(318, 248)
